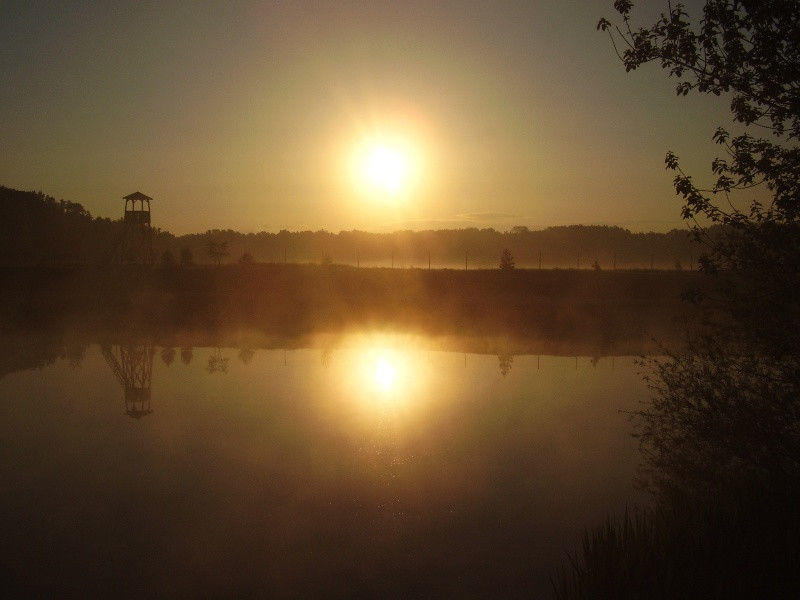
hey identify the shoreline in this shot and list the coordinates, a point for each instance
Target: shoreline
(549, 311)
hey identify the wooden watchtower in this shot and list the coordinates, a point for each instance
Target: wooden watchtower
(137, 236)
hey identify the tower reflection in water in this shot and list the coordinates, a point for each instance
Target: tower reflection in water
(133, 367)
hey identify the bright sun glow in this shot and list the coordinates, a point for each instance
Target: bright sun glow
(385, 169)
(385, 374)
(380, 370)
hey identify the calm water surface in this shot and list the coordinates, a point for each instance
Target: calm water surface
(373, 467)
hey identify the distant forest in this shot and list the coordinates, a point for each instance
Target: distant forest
(37, 229)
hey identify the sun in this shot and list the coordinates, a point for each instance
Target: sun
(385, 169)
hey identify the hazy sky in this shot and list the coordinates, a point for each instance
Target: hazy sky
(246, 114)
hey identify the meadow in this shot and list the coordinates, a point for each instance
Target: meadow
(555, 307)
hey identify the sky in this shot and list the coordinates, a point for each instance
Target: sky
(258, 115)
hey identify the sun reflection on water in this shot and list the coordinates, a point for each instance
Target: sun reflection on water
(385, 375)
(382, 369)
(385, 372)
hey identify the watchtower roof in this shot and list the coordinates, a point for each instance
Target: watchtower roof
(136, 196)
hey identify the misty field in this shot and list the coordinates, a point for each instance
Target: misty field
(609, 307)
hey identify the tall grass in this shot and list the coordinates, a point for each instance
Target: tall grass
(742, 546)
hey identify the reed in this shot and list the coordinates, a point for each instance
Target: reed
(725, 546)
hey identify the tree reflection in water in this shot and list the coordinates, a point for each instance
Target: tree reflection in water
(186, 355)
(506, 361)
(217, 363)
(246, 354)
(168, 355)
(393, 468)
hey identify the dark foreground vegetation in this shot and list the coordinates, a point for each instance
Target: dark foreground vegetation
(739, 545)
(720, 437)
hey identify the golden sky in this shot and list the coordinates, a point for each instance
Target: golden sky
(250, 115)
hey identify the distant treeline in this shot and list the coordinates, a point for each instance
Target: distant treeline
(38, 229)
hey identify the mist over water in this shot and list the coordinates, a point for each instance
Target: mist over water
(317, 430)
(373, 463)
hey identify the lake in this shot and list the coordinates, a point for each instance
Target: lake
(375, 464)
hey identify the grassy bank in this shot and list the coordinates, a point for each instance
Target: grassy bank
(296, 299)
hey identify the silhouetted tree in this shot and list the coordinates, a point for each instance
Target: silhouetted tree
(246, 259)
(750, 50)
(722, 431)
(187, 258)
(216, 250)
(36, 228)
(506, 260)
(167, 258)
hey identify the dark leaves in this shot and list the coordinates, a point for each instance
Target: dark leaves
(671, 161)
(623, 7)
(752, 53)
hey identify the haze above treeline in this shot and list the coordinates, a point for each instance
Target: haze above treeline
(37, 229)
